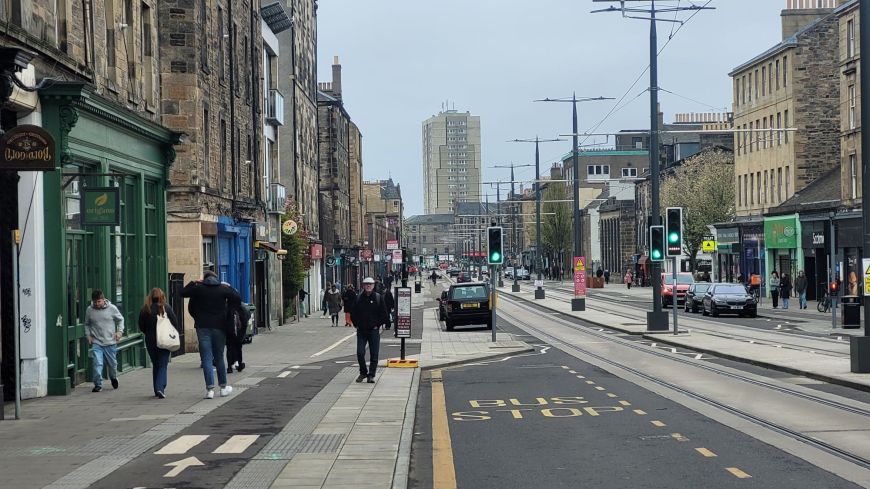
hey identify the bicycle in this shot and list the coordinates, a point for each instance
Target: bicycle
(824, 303)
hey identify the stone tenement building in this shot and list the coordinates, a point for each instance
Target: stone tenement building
(617, 235)
(850, 106)
(95, 69)
(794, 84)
(357, 200)
(211, 91)
(384, 214)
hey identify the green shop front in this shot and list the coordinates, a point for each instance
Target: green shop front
(782, 238)
(105, 223)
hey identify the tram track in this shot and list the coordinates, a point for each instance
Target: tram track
(755, 419)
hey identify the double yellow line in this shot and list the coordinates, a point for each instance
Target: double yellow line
(443, 471)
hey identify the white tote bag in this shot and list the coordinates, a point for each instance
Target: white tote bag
(167, 335)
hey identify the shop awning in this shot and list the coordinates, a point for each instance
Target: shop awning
(266, 246)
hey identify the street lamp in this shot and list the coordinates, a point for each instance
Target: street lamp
(578, 303)
(539, 290)
(516, 286)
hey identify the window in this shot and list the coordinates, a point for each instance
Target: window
(737, 91)
(853, 175)
(777, 74)
(745, 137)
(221, 35)
(850, 38)
(223, 160)
(203, 45)
(756, 84)
(770, 78)
(206, 153)
(779, 126)
(752, 187)
(758, 139)
(130, 48)
(110, 39)
(785, 71)
(61, 24)
(147, 52)
(208, 256)
(764, 197)
(785, 125)
(88, 15)
(743, 90)
(750, 87)
(758, 189)
(763, 80)
(787, 179)
(629, 172)
(751, 136)
(745, 189)
(852, 121)
(764, 135)
(739, 193)
(779, 184)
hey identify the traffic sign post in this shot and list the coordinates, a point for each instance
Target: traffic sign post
(403, 326)
(579, 277)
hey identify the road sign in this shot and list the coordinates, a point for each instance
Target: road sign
(866, 264)
(708, 246)
(397, 256)
(403, 313)
(579, 276)
(392, 244)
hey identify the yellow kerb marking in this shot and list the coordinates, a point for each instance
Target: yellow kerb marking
(705, 452)
(658, 423)
(738, 473)
(640, 412)
(443, 471)
(599, 387)
(625, 403)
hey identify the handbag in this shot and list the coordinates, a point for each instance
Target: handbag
(167, 335)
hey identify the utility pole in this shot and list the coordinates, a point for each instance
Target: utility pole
(578, 303)
(656, 320)
(515, 239)
(539, 290)
(859, 346)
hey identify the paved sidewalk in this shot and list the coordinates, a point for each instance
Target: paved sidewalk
(819, 358)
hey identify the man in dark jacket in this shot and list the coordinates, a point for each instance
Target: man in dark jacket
(367, 315)
(209, 303)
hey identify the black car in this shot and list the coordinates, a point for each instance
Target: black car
(695, 296)
(463, 277)
(729, 299)
(466, 303)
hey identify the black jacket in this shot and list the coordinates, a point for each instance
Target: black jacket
(209, 301)
(348, 298)
(148, 323)
(368, 312)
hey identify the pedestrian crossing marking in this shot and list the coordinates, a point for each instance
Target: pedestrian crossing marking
(625, 403)
(181, 445)
(705, 452)
(658, 423)
(738, 473)
(284, 374)
(565, 367)
(640, 412)
(237, 444)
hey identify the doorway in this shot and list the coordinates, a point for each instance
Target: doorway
(261, 295)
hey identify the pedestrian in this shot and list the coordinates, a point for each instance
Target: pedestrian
(773, 284)
(236, 329)
(628, 278)
(389, 303)
(369, 313)
(302, 296)
(154, 308)
(785, 289)
(348, 298)
(607, 276)
(209, 303)
(333, 303)
(323, 304)
(105, 326)
(800, 289)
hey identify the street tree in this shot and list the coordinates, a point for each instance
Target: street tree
(293, 267)
(703, 185)
(557, 222)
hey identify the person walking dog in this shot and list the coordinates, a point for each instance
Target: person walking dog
(156, 309)
(105, 326)
(368, 314)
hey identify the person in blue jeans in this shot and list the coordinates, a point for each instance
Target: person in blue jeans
(104, 324)
(209, 302)
(155, 306)
(368, 315)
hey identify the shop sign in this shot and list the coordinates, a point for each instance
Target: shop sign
(818, 238)
(289, 227)
(728, 235)
(780, 233)
(316, 251)
(397, 256)
(366, 255)
(392, 244)
(27, 148)
(101, 206)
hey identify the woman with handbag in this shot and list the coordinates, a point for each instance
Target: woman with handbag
(159, 324)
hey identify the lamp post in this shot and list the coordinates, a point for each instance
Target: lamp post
(578, 303)
(539, 290)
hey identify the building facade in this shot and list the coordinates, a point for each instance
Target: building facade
(425, 236)
(451, 161)
(384, 214)
(357, 201)
(334, 128)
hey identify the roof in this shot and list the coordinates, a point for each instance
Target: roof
(822, 193)
(323, 97)
(276, 17)
(781, 46)
(390, 190)
(468, 208)
(430, 219)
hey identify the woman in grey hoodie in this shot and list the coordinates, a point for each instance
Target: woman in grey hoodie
(105, 326)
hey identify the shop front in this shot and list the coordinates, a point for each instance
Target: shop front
(727, 254)
(104, 223)
(815, 241)
(782, 236)
(752, 252)
(850, 235)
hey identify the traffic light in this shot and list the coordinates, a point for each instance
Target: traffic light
(674, 228)
(835, 287)
(657, 243)
(495, 255)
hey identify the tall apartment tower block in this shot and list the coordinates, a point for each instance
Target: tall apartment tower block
(451, 161)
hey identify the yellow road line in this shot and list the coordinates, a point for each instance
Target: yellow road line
(640, 412)
(625, 403)
(443, 471)
(658, 423)
(705, 452)
(738, 473)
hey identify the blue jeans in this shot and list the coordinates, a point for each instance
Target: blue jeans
(108, 354)
(373, 339)
(802, 299)
(159, 367)
(211, 350)
(785, 302)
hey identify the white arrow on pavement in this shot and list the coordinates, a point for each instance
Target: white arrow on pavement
(179, 466)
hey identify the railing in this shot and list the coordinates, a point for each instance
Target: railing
(275, 107)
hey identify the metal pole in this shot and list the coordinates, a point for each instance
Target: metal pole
(578, 303)
(516, 286)
(16, 314)
(656, 320)
(834, 276)
(493, 305)
(675, 295)
(539, 291)
(860, 345)
(498, 222)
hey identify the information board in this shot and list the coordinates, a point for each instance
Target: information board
(403, 312)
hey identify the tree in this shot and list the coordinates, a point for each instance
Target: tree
(293, 267)
(704, 187)
(557, 222)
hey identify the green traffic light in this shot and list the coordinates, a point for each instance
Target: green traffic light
(657, 254)
(673, 237)
(496, 256)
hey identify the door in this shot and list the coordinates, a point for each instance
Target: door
(812, 277)
(261, 300)
(80, 275)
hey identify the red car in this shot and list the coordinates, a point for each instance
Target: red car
(684, 280)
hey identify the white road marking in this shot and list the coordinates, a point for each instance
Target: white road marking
(237, 443)
(181, 445)
(699, 356)
(180, 465)
(334, 345)
(284, 374)
(344, 361)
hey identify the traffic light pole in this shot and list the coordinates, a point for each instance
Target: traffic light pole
(492, 307)
(676, 330)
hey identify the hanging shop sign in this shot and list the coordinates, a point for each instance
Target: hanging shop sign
(101, 206)
(289, 227)
(27, 148)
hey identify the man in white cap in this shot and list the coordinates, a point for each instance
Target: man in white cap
(368, 315)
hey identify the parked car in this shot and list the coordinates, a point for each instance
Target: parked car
(729, 299)
(453, 271)
(463, 277)
(466, 303)
(695, 296)
(523, 274)
(684, 280)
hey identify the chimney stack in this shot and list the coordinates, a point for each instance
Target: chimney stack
(336, 77)
(801, 13)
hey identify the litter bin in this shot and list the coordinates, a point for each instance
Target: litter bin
(417, 286)
(851, 311)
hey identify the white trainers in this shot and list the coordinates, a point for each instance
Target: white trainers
(209, 394)
(225, 391)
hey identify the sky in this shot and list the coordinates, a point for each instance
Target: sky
(403, 59)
